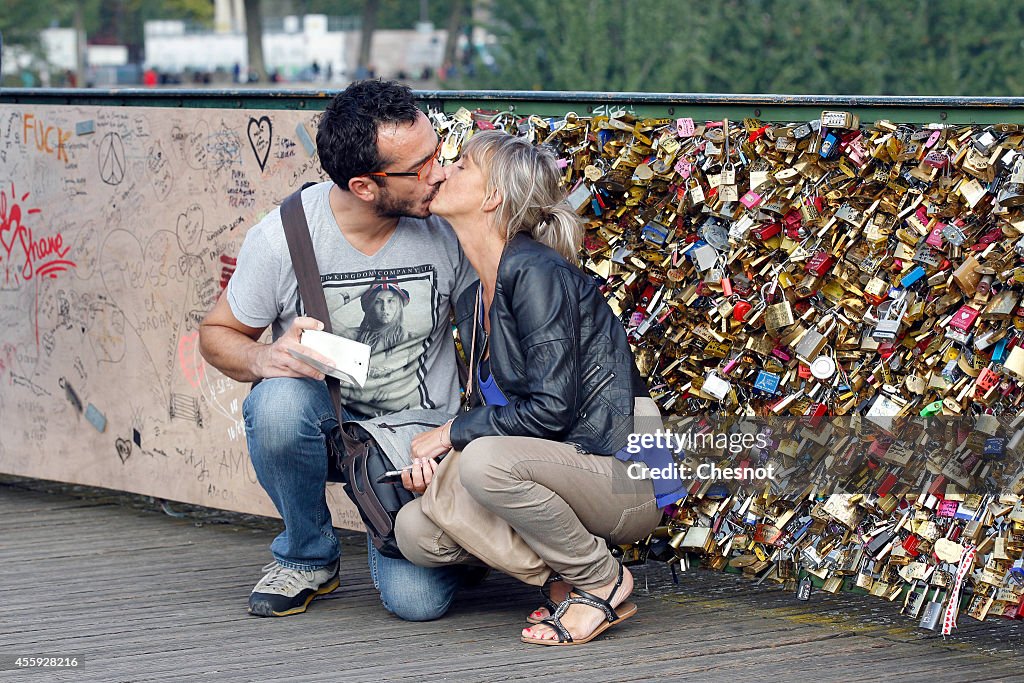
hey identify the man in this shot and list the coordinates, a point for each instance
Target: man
(371, 234)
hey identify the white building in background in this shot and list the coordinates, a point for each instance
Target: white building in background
(59, 47)
(291, 48)
(229, 16)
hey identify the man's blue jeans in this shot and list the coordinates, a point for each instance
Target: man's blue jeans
(287, 424)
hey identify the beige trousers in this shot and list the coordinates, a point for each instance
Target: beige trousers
(530, 507)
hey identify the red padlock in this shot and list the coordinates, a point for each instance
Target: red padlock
(821, 263)
(766, 232)
(986, 380)
(888, 482)
(740, 311)
(964, 318)
(910, 544)
(815, 414)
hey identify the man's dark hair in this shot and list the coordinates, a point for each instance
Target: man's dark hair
(346, 139)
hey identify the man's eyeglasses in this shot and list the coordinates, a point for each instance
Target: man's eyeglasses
(420, 173)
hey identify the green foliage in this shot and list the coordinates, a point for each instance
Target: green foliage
(21, 20)
(118, 21)
(876, 47)
(391, 13)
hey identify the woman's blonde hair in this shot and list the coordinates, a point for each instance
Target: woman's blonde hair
(528, 180)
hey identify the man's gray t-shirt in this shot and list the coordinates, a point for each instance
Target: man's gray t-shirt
(397, 301)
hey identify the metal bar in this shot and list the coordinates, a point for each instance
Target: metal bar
(773, 107)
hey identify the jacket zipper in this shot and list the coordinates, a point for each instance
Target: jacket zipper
(391, 427)
(590, 373)
(601, 385)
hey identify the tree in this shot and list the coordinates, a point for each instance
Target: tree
(369, 24)
(254, 38)
(880, 47)
(456, 19)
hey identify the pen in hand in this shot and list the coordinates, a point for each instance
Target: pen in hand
(395, 476)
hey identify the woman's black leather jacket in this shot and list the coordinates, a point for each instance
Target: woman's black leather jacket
(557, 352)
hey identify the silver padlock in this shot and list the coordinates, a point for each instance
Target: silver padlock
(705, 257)
(1017, 175)
(954, 235)
(810, 345)
(915, 599)
(715, 234)
(716, 386)
(932, 617)
(890, 317)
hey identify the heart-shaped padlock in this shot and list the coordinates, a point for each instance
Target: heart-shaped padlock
(740, 310)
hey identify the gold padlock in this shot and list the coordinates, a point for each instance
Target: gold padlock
(778, 316)
(1014, 363)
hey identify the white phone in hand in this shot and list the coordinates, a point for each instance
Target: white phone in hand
(350, 360)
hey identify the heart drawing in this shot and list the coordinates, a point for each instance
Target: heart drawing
(260, 135)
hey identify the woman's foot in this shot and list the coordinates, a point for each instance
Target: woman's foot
(581, 620)
(557, 591)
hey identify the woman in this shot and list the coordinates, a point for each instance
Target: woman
(553, 384)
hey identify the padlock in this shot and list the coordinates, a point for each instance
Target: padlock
(829, 146)
(767, 382)
(876, 290)
(987, 379)
(984, 287)
(821, 263)
(1002, 305)
(766, 232)
(954, 235)
(808, 286)
(839, 119)
(890, 317)
(741, 310)
(915, 599)
(1014, 363)
(912, 276)
(810, 345)
(995, 448)
(932, 617)
(964, 318)
(824, 366)
(716, 386)
(804, 589)
(778, 316)
(728, 175)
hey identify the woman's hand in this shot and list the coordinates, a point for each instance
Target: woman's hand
(433, 443)
(418, 476)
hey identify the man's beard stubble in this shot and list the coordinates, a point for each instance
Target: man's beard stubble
(388, 206)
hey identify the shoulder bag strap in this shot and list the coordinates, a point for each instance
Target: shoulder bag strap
(311, 291)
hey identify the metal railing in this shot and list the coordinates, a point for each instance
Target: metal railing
(955, 110)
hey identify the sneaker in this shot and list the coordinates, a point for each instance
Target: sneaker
(283, 591)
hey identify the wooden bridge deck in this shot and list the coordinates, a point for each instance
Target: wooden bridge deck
(138, 595)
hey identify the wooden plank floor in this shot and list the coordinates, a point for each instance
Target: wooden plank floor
(138, 595)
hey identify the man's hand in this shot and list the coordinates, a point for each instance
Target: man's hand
(234, 348)
(417, 477)
(274, 360)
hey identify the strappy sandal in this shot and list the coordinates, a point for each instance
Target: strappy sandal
(549, 604)
(579, 596)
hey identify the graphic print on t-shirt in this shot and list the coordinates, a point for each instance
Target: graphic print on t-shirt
(393, 311)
